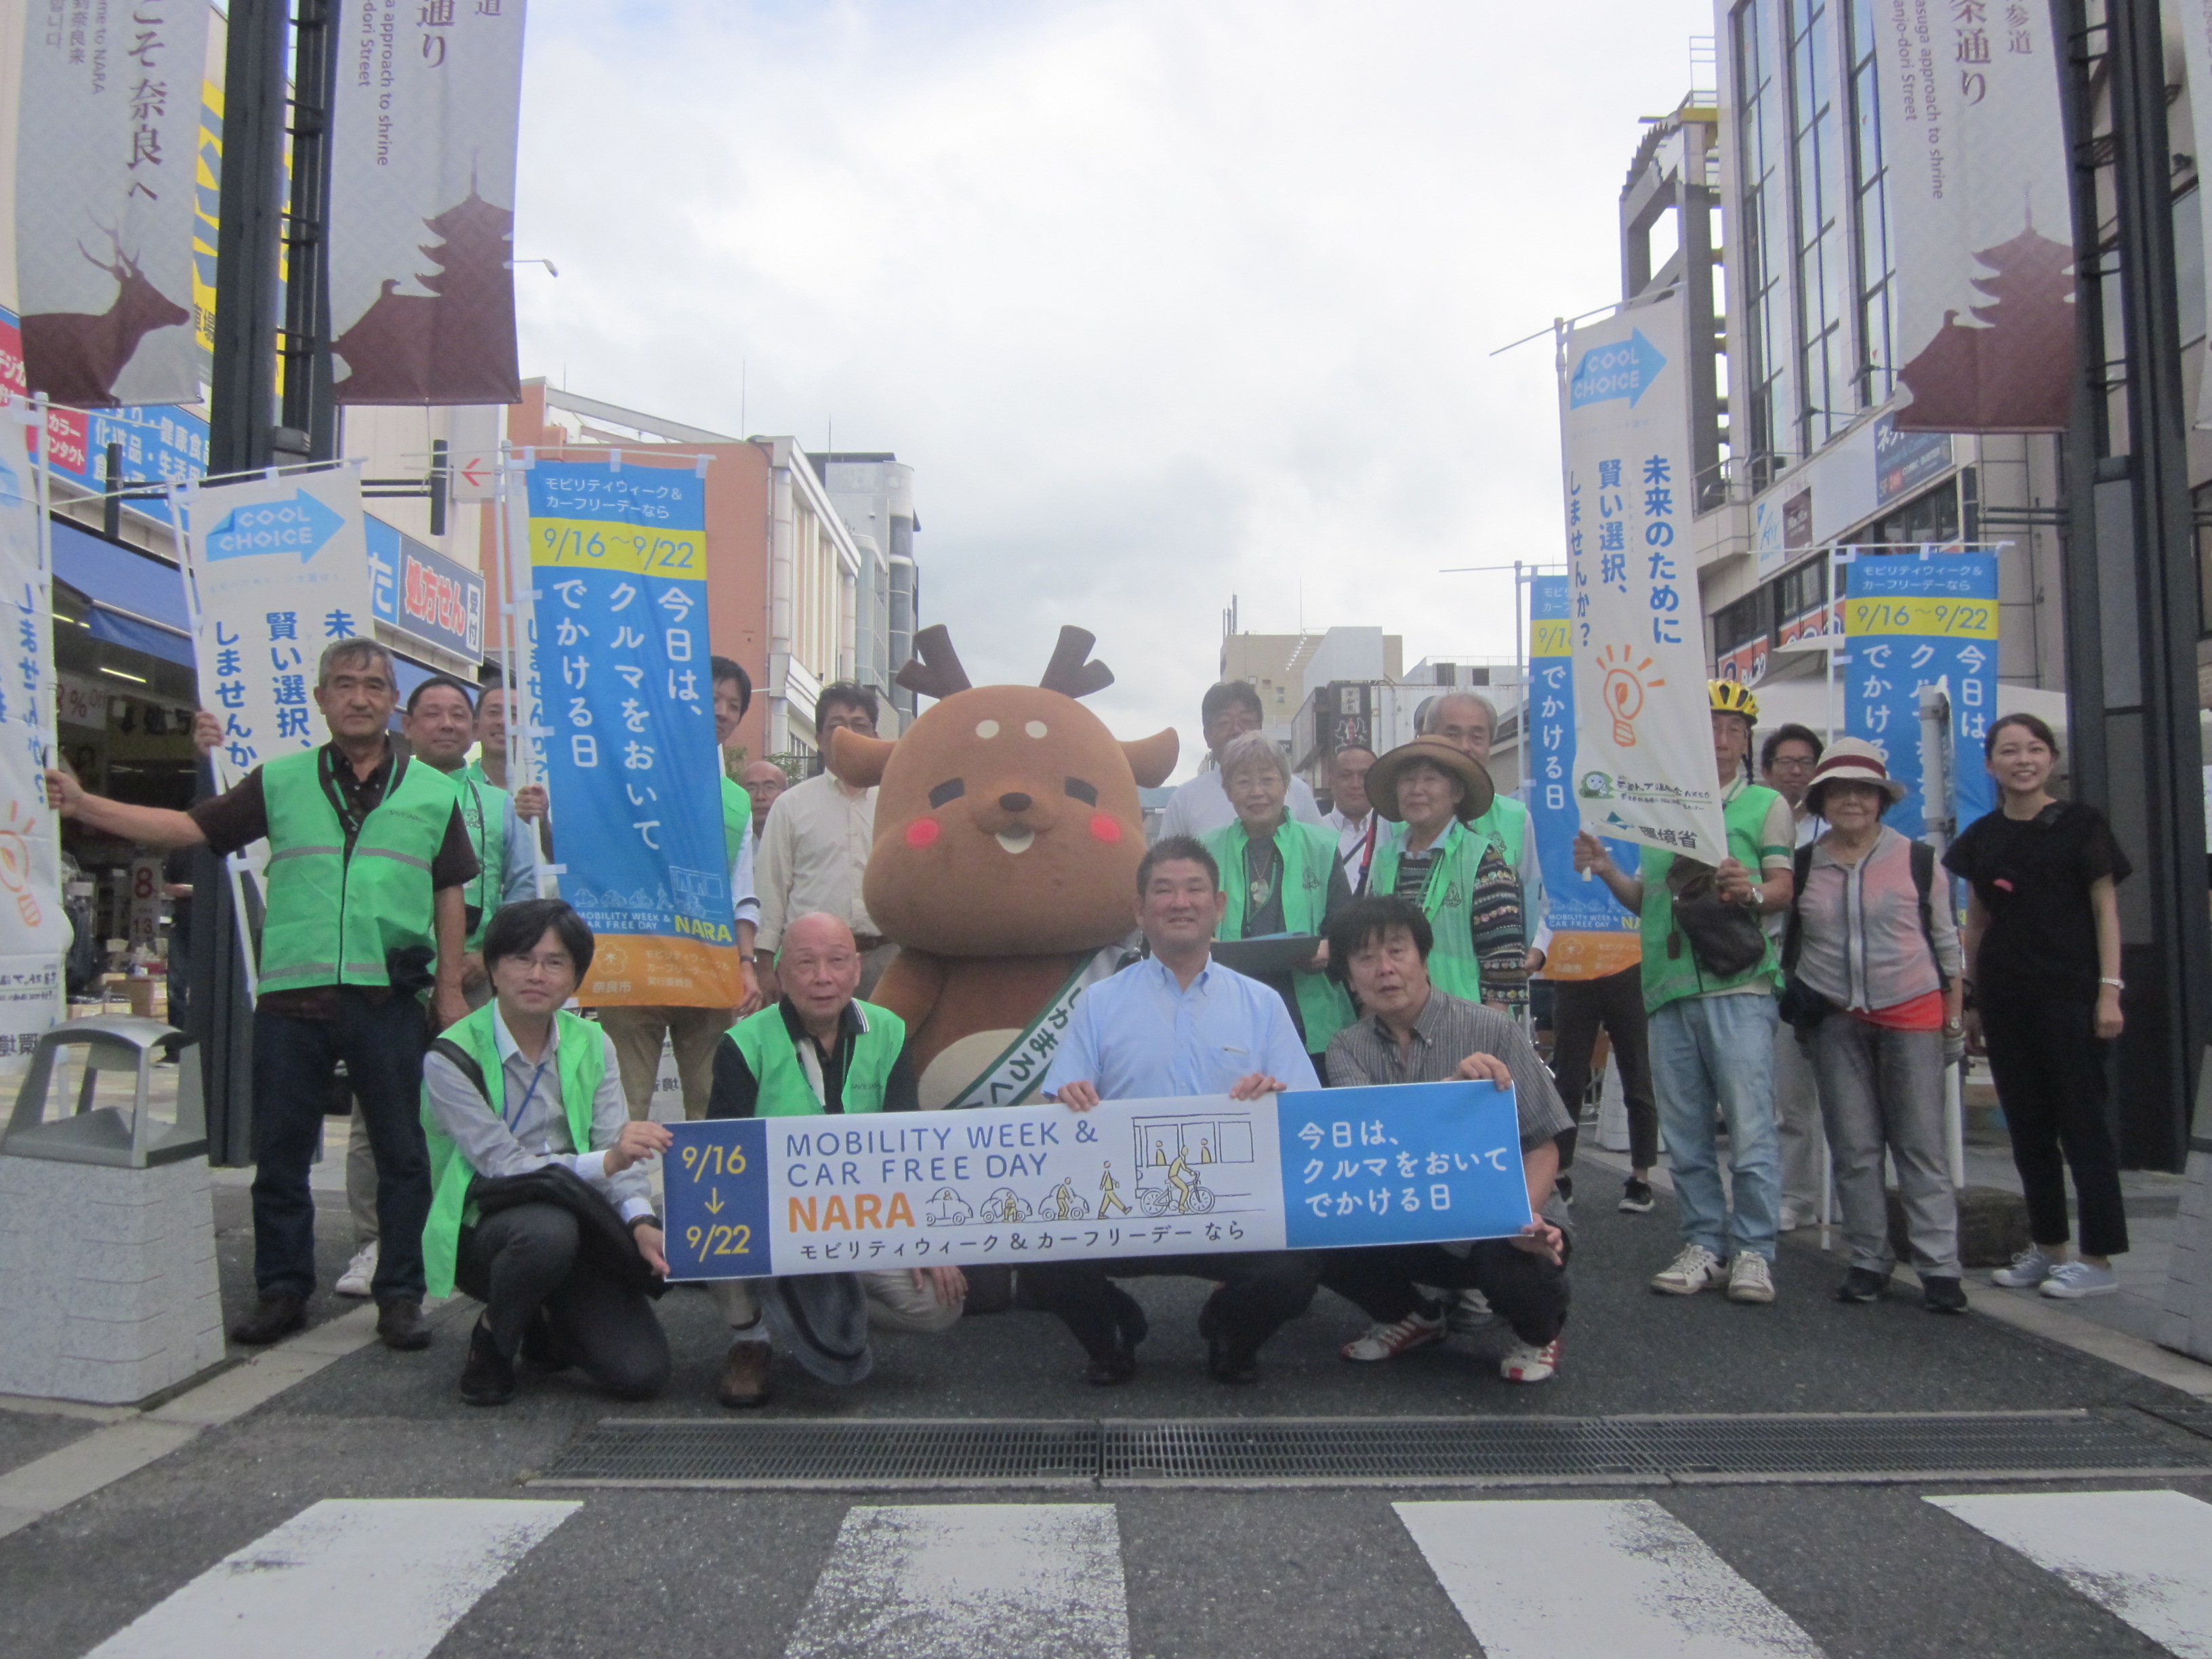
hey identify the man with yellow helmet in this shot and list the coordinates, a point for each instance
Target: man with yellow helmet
(1712, 1030)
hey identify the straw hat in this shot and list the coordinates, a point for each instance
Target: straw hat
(1382, 777)
(1852, 760)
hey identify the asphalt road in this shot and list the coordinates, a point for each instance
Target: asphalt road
(1276, 1574)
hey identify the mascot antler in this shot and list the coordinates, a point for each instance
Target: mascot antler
(934, 670)
(1070, 672)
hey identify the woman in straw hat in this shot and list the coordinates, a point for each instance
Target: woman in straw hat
(1432, 791)
(1874, 941)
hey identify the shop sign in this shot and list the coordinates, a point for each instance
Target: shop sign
(423, 593)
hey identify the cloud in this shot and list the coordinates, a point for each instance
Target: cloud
(1164, 303)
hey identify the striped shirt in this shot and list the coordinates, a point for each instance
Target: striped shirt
(1448, 1031)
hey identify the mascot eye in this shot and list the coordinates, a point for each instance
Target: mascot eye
(952, 789)
(1081, 792)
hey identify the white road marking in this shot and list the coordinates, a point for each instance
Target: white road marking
(1600, 1578)
(2144, 1557)
(958, 1581)
(344, 1579)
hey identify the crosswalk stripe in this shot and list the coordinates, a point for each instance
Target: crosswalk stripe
(949, 1581)
(1603, 1578)
(344, 1579)
(2144, 1557)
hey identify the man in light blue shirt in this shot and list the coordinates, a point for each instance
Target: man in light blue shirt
(1178, 1024)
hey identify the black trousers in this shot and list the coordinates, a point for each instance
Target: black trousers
(1260, 1291)
(2049, 1066)
(294, 1062)
(1528, 1292)
(524, 1258)
(1579, 1007)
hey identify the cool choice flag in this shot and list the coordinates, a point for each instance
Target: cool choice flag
(1644, 760)
(619, 668)
(1426, 1163)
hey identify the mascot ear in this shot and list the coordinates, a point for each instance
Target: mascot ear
(1152, 758)
(858, 761)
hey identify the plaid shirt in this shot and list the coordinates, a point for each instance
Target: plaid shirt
(1447, 1032)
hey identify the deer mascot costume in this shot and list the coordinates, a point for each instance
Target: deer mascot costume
(1007, 839)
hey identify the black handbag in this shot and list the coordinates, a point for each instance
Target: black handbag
(1726, 939)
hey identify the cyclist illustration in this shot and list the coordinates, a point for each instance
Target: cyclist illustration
(1182, 1196)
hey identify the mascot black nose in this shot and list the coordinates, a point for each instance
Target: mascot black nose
(1015, 801)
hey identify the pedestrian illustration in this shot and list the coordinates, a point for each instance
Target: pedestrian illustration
(1110, 1195)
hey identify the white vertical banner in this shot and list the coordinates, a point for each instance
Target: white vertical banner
(1644, 751)
(275, 569)
(35, 930)
(423, 137)
(1975, 152)
(106, 199)
(2194, 19)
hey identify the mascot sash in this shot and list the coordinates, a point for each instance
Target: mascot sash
(1426, 1163)
(1013, 1078)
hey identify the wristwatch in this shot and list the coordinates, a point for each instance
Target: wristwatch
(647, 1220)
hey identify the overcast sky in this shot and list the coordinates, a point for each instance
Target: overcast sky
(1165, 300)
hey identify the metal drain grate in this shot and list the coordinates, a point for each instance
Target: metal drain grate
(645, 1452)
(1406, 1452)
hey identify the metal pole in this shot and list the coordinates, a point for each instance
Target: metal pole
(310, 425)
(242, 392)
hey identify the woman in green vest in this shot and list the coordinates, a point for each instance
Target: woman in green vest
(1280, 876)
(1433, 790)
(526, 1095)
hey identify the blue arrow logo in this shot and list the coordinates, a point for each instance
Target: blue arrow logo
(1626, 368)
(302, 525)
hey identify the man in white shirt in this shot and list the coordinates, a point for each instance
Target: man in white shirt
(1229, 710)
(814, 848)
(1352, 816)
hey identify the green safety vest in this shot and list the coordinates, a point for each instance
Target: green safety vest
(1448, 901)
(765, 1043)
(483, 812)
(1309, 854)
(737, 815)
(1670, 978)
(1505, 826)
(579, 1060)
(336, 912)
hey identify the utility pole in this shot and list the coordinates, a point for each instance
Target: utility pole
(2132, 599)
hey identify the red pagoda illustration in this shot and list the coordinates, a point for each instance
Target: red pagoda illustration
(454, 344)
(2012, 369)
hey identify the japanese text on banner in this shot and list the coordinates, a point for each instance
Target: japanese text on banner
(33, 931)
(1321, 1170)
(1591, 934)
(1913, 623)
(1644, 761)
(281, 571)
(618, 569)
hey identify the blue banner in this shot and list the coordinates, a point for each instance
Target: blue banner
(1592, 935)
(1910, 622)
(1319, 1170)
(618, 572)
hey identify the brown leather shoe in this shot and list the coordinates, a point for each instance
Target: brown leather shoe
(744, 1381)
(399, 1325)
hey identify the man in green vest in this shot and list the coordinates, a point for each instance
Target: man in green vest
(820, 1050)
(441, 723)
(1712, 1033)
(490, 764)
(639, 1029)
(525, 1093)
(369, 860)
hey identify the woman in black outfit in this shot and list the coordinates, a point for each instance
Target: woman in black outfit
(2043, 965)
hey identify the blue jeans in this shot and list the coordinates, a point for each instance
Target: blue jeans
(1716, 1054)
(294, 1063)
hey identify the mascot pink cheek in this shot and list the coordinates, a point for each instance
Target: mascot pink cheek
(923, 832)
(1108, 829)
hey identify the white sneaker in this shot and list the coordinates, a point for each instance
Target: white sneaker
(355, 1279)
(1689, 1272)
(2029, 1269)
(1470, 1312)
(1414, 1331)
(1749, 1278)
(1525, 1362)
(1789, 1219)
(2076, 1280)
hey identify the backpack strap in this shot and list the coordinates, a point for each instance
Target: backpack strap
(463, 1062)
(1800, 868)
(1924, 882)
